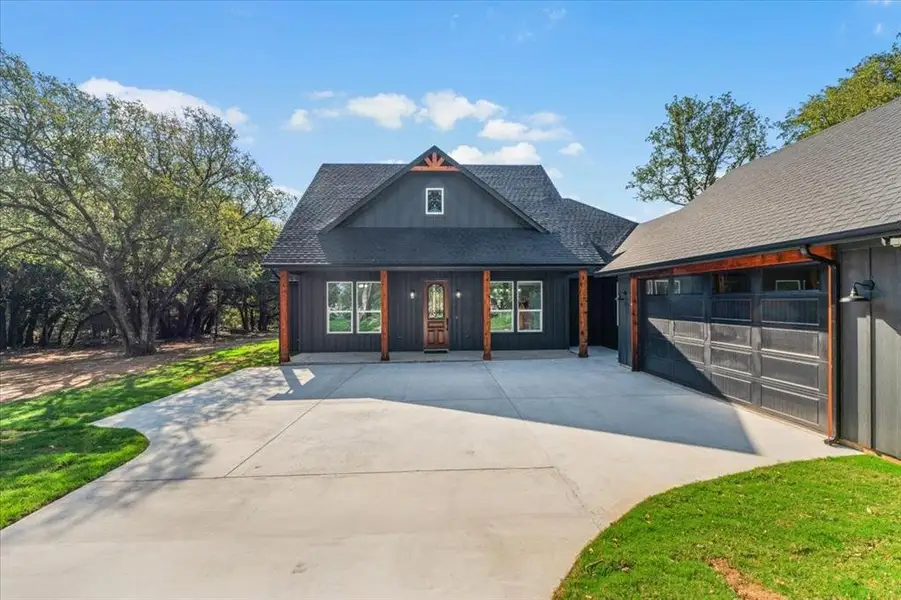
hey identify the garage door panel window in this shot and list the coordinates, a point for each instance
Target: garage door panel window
(369, 307)
(340, 306)
(735, 282)
(656, 287)
(530, 307)
(792, 279)
(688, 285)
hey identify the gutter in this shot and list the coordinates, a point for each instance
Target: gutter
(834, 339)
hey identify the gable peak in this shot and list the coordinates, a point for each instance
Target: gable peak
(434, 159)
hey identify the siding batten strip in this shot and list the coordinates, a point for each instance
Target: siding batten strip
(486, 315)
(633, 319)
(583, 313)
(283, 343)
(383, 277)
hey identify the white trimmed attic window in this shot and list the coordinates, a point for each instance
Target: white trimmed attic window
(434, 201)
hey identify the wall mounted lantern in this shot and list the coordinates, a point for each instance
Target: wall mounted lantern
(412, 294)
(458, 294)
(856, 296)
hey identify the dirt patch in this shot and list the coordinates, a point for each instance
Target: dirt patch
(31, 373)
(741, 585)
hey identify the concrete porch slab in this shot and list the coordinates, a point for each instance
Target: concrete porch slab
(357, 358)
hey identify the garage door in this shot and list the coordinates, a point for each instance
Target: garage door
(754, 336)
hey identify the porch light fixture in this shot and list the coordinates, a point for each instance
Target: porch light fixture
(412, 294)
(856, 296)
(458, 294)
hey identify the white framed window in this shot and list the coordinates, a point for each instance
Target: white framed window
(339, 306)
(434, 201)
(369, 307)
(501, 306)
(529, 306)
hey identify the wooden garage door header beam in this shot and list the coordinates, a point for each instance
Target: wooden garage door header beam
(751, 261)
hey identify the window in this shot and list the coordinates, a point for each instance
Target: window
(734, 282)
(340, 306)
(434, 201)
(369, 307)
(501, 306)
(656, 287)
(791, 279)
(529, 305)
(688, 285)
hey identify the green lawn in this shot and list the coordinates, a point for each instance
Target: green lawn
(48, 447)
(829, 528)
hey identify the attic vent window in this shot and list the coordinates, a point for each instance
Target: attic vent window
(434, 201)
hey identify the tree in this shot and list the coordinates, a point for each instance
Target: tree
(700, 140)
(144, 202)
(872, 82)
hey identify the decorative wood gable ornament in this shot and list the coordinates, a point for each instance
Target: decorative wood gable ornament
(433, 162)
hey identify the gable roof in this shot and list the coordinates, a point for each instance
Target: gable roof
(433, 151)
(576, 234)
(842, 182)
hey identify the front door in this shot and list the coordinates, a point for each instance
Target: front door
(435, 316)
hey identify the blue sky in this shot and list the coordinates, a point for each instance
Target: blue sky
(515, 82)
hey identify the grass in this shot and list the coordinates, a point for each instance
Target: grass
(48, 446)
(828, 528)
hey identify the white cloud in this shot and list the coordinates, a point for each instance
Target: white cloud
(388, 110)
(545, 119)
(555, 15)
(878, 29)
(524, 36)
(554, 173)
(327, 113)
(393, 161)
(300, 120)
(500, 129)
(321, 95)
(446, 107)
(161, 101)
(572, 149)
(521, 153)
(288, 190)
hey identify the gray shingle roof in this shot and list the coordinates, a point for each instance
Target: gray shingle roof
(844, 180)
(578, 234)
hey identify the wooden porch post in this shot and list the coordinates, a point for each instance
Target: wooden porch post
(486, 315)
(284, 354)
(583, 313)
(633, 320)
(384, 305)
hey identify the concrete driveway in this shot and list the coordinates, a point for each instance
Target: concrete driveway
(453, 480)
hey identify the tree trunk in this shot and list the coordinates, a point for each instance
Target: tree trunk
(3, 339)
(28, 335)
(61, 331)
(78, 326)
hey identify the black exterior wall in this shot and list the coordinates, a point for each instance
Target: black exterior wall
(308, 306)
(869, 412)
(602, 328)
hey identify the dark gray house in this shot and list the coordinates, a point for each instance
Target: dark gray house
(437, 256)
(779, 287)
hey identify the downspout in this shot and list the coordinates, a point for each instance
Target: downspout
(834, 340)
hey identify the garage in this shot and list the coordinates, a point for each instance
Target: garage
(754, 336)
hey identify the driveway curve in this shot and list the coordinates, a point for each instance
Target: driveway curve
(440, 480)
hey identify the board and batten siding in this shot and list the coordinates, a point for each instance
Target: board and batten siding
(405, 314)
(870, 400)
(402, 204)
(624, 321)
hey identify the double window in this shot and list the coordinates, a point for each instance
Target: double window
(517, 306)
(353, 306)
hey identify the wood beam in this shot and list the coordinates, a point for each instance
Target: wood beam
(383, 277)
(782, 257)
(583, 313)
(486, 315)
(633, 320)
(445, 168)
(284, 351)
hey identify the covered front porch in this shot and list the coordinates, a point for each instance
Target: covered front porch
(361, 358)
(425, 315)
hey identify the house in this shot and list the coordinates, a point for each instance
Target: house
(437, 256)
(779, 287)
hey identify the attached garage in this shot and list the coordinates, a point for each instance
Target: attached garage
(755, 336)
